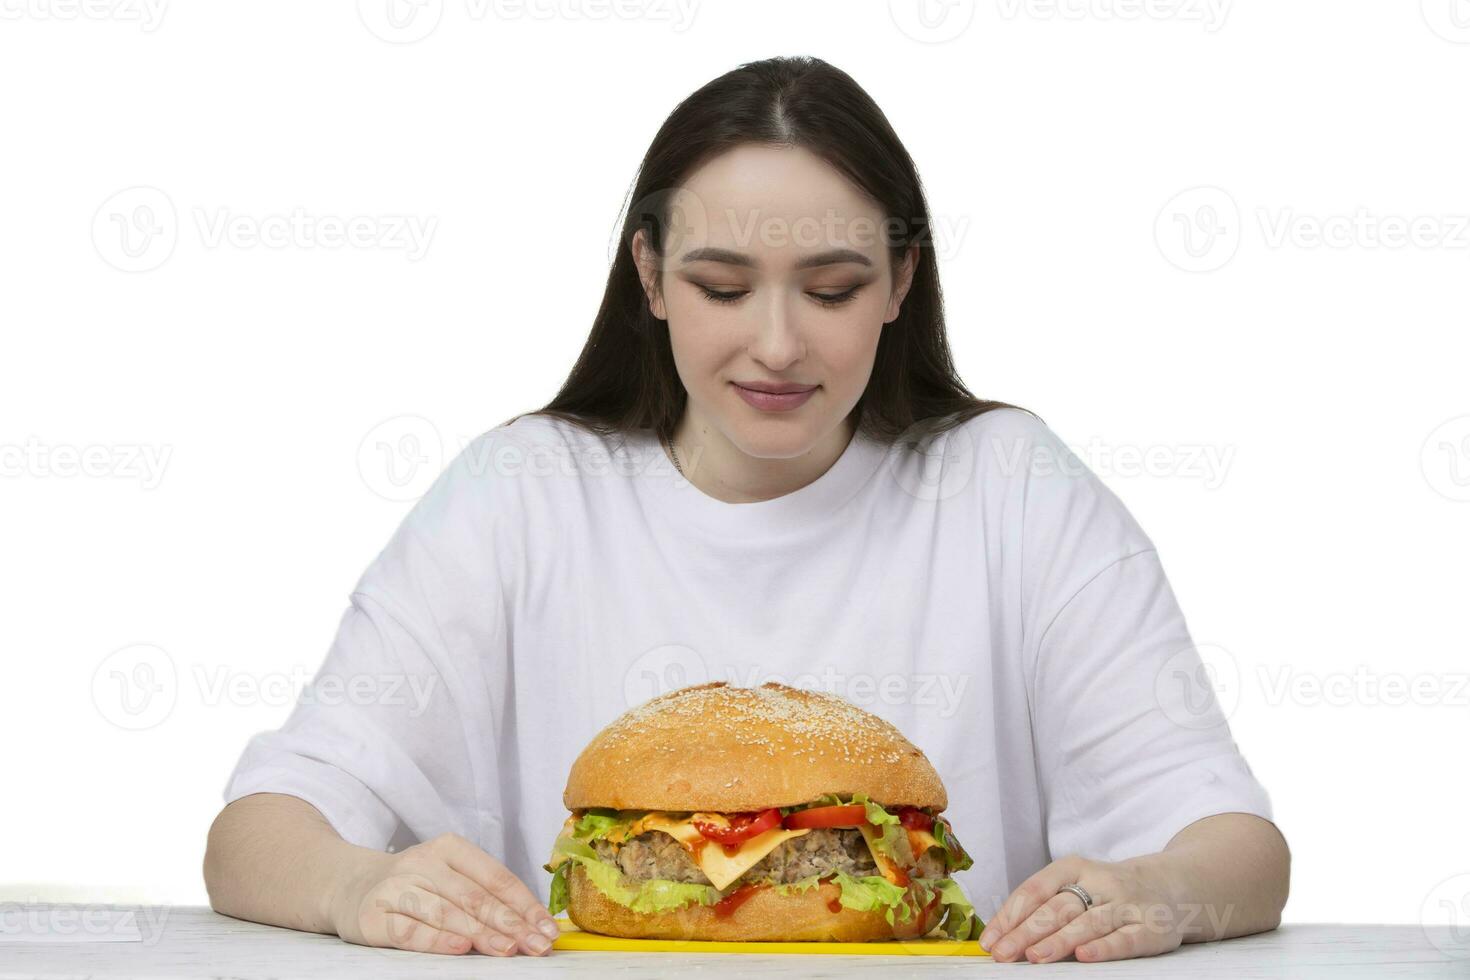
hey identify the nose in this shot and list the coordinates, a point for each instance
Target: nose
(777, 343)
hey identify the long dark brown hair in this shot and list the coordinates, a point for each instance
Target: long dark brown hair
(625, 378)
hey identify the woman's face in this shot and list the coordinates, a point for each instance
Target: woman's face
(776, 275)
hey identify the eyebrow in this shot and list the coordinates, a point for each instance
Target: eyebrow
(729, 257)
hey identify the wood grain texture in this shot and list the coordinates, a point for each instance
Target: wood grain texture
(197, 942)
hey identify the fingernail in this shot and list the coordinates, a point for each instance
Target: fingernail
(503, 943)
(986, 938)
(551, 929)
(538, 944)
(1004, 950)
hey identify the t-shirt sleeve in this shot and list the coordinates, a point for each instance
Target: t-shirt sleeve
(1131, 744)
(380, 741)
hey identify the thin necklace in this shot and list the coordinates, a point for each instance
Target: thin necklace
(675, 454)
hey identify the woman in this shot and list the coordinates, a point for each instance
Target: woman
(762, 466)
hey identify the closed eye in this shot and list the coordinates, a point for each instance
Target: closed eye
(825, 299)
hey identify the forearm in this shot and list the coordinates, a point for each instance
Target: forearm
(1228, 875)
(275, 859)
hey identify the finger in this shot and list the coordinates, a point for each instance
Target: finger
(501, 882)
(1096, 922)
(1134, 939)
(1052, 916)
(428, 906)
(499, 920)
(406, 932)
(1029, 896)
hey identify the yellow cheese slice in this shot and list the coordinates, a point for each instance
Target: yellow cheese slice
(722, 869)
(885, 864)
(719, 867)
(923, 840)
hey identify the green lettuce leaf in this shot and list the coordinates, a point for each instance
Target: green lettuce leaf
(955, 857)
(596, 823)
(960, 920)
(872, 893)
(653, 895)
(559, 893)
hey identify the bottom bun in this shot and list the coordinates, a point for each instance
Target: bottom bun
(767, 916)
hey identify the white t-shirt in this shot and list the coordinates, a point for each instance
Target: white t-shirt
(983, 591)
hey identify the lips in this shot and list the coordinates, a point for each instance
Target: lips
(774, 388)
(774, 397)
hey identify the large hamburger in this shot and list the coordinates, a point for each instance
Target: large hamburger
(773, 813)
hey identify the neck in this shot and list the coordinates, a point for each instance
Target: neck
(718, 468)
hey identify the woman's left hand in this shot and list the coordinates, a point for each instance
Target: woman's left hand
(1133, 914)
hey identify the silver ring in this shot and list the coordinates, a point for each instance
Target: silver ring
(1080, 892)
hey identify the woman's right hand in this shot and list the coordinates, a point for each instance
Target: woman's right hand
(442, 896)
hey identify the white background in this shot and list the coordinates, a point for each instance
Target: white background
(1297, 403)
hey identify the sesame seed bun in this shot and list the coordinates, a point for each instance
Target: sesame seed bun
(726, 749)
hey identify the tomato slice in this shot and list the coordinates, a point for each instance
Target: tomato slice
(737, 898)
(913, 818)
(743, 826)
(850, 815)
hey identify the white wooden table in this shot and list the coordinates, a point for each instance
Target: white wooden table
(181, 941)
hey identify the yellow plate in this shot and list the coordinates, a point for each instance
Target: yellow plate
(573, 938)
